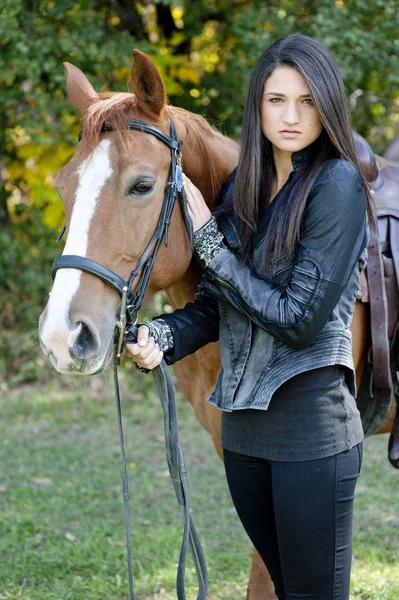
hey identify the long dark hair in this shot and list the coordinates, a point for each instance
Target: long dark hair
(256, 165)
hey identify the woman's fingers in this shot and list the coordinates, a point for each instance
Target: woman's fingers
(145, 352)
(194, 196)
(151, 361)
(144, 346)
(149, 349)
(197, 208)
(143, 339)
(141, 351)
(142, 335)
(157, 361)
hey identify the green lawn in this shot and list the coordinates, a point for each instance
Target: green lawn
(61, 513)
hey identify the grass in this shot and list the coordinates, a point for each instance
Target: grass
(61, 513)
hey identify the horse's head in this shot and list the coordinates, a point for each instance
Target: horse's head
(113, 191)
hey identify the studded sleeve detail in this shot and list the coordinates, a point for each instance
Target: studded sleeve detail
(208, 241)
(161, 332)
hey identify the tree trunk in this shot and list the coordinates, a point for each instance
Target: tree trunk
(4, 194)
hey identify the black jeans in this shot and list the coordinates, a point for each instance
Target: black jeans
(299, 515)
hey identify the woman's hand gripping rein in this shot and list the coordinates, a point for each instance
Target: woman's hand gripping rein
(146, 352)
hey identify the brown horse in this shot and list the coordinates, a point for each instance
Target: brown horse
(113, 191)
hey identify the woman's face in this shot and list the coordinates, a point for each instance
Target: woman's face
(290, 120)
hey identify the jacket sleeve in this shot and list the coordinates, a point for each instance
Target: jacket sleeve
(193, 326)
(333, 236)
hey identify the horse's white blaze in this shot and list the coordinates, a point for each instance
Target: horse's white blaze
(93, 173)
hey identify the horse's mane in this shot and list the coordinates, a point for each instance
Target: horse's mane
(110, 106)
(118, 107)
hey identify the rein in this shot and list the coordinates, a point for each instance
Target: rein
(126, 332)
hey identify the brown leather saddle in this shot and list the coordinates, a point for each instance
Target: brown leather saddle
(391, 152)
(380, 288)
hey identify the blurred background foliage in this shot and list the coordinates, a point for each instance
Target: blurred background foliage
(204, 50)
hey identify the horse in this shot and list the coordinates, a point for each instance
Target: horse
(112, 190)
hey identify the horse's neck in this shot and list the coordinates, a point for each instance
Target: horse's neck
(184, 290)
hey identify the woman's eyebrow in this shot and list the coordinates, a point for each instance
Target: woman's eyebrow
(283, 95)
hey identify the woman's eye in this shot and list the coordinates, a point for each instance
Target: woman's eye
(278, 100)
(141, 187)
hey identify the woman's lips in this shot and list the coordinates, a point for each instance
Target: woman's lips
(290, 134)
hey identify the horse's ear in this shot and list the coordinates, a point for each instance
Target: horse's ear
(147, 84)
(80, 91)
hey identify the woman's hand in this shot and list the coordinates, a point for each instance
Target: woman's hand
(197, 209)
(145, 352)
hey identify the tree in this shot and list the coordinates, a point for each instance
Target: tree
(204, 50)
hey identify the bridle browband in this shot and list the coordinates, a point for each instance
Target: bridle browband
(126, 331)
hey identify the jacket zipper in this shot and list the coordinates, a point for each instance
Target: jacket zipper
(240, 301)
(225, 283)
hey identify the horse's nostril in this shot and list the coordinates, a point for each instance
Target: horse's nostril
(82, 342)
(85, 340)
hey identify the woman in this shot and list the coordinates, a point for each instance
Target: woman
(280, 296)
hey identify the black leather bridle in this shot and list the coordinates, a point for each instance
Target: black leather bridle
(131, 302)
(126, 332)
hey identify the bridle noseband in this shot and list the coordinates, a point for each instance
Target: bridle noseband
(126, 331)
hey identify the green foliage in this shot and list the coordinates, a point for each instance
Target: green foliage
(36, 38)
(212, 44)
(26, 255)
(204, 50)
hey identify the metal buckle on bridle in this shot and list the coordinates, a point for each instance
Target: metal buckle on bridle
(120, 326)
(179, 171)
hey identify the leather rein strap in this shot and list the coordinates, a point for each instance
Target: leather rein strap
(126, 332)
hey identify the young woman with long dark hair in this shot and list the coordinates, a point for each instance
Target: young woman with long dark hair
(283, 254)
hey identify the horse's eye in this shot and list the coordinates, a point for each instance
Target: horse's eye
(141, 187)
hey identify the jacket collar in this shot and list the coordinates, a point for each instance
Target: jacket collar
(301, 158)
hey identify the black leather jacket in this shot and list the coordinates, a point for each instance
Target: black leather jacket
(295, 315)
